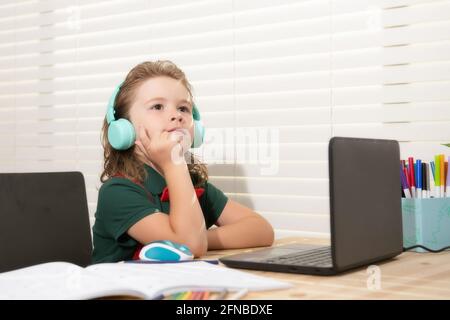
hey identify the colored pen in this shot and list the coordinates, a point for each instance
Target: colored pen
(192, 293)
(441, 159)
(431, 185)
(444, 180)
(437, 175)
(419, 178)
(405, 185)
(403, 163)
(186, 296)
(405, 172)
(429, 174)
(424, 181)
(412, 182)
(173, 296)
(448, 180)
(197, 295)
(432, 168)
(178, 296)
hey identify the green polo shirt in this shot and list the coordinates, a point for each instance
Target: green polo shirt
(122, 203)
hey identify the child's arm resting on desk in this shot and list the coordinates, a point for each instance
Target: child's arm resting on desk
(239, 227)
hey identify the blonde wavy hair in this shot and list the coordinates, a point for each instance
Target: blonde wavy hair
(126, 162)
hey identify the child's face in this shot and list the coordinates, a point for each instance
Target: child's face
(162, 104)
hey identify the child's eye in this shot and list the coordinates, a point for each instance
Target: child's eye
(184, 109)
(157, 106)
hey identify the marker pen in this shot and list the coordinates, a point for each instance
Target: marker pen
(442, 160)
(424, 181)
(405, 186)
(431, 179)
(411, 176)
(447, 180)
(419, 178)
(437, 175)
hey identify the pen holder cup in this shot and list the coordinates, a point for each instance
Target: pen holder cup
(426, 222)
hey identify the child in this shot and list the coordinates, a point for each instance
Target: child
(146, 135)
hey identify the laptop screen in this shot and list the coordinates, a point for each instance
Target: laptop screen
(44, 217)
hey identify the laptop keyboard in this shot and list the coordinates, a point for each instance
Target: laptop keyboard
(320, 257)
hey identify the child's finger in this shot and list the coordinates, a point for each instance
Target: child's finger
(140, 148)
(140, 155)
(141, 152)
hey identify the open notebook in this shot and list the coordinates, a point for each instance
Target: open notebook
(62, 280)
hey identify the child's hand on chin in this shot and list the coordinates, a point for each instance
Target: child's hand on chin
(163, 151)
(183, 137)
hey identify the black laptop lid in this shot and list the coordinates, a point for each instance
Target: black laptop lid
(43, 217)
(365, 200)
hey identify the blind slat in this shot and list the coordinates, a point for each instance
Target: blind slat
(433, 11)
(251, 186)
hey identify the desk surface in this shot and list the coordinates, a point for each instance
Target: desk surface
(410, 275)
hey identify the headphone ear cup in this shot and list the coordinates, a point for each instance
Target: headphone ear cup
(199, 134)
(121, 134)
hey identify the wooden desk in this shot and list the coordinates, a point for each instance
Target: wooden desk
(410, 275)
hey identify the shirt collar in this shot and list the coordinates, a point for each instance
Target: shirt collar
(155, 183)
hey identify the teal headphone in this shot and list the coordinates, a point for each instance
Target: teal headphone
(121, 133)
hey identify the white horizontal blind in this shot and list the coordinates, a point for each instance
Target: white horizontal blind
(272, 78)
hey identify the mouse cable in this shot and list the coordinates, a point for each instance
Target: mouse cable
(425, 248)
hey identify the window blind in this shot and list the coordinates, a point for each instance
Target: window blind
(273, 79)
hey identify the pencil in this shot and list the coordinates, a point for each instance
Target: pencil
(176, 296)
(194, 295)
(205, 295)
(197, 295)
(185, 296)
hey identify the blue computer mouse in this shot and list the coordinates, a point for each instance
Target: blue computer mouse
(165, 250)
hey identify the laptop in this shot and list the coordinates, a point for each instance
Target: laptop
(43, 217)
(365, 214)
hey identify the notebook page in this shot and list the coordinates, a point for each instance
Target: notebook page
(153, 279)
(58, 281)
